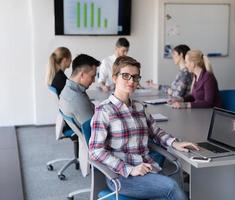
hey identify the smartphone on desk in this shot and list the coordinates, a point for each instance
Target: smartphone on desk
(200, 159)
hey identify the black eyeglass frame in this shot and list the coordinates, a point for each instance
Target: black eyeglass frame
(136, 78)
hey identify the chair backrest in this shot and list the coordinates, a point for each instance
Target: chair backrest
(84, 132)
(59, 124)
(53, 89)
(228, 99)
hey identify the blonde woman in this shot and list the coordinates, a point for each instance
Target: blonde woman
(59, 61)
(205, 93)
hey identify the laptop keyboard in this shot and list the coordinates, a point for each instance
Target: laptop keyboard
(211, 147)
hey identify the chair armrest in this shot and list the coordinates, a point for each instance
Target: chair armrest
(104, 169)
(162, 151)
(173, 159)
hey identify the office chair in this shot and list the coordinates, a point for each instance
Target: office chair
(227, 98)
(63, 132)
(99, 171)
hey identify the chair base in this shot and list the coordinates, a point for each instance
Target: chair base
(72, 194)
(106, 192)
(71, 161)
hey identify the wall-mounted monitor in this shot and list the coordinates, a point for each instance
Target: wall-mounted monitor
(92, 17)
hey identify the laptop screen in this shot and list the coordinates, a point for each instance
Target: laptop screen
(222, 128)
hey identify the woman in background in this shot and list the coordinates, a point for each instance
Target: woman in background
(59, 61)
(205, 93)
(182, 84)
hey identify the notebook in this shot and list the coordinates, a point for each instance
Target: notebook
(221, 135)
(157, 101)
(159, 117)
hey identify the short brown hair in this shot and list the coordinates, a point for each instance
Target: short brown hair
(124, 61)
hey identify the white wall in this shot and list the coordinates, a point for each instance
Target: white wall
(39, 107)
(224, 67)
(16, 105)
(27, 39)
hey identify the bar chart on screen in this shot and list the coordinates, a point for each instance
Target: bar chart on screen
(90, 16)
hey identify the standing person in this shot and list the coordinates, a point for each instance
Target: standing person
(74, 100)
(205, 92)
(105, 73)
(119, 139)
(59, 61)
(182, 84)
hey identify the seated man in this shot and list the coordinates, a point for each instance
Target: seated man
(105, 73)
(74, 100)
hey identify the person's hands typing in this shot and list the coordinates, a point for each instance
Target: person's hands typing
(184, 146)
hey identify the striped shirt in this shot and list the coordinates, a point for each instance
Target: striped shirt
(119, 136)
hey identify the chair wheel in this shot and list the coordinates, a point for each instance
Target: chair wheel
(50, 168)
(70, 198)
(77, 166)
(61, 177)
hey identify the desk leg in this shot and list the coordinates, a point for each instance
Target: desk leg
(217, 183)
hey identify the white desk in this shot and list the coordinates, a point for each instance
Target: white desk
(208, 181)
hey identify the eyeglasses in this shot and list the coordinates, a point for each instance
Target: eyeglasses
(126, 76)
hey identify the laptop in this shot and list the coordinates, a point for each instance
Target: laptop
(221, 136)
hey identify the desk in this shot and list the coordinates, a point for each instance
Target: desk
(208, 181)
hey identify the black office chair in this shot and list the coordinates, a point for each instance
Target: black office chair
(64, 132)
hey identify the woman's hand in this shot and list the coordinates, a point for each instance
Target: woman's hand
(184, 146)
(151, 84)
(105, 88)
(141, 169)
(176, 105)
(169, 91)
(175, 99)
(179, 105)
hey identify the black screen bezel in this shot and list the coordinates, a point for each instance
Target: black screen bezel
(209, 138)
(124, 18)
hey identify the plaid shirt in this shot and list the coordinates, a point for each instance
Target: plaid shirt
(119, 136)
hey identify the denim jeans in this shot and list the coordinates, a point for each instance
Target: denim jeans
(150, 186)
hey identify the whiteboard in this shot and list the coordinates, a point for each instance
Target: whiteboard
(200, 26)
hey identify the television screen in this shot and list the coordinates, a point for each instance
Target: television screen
(92, 17)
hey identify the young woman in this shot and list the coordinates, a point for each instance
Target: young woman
(59, 61)
(119, 139)
(182, 84)
(205, 92)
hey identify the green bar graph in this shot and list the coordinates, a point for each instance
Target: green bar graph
(99, 17)
(92, 14)
(78, 14)
(89, 13)
(105, 23)
(85, 14)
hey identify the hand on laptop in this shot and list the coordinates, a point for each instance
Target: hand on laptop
(184, 146)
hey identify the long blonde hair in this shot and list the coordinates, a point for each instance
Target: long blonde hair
(202, 61)
(54, 64)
